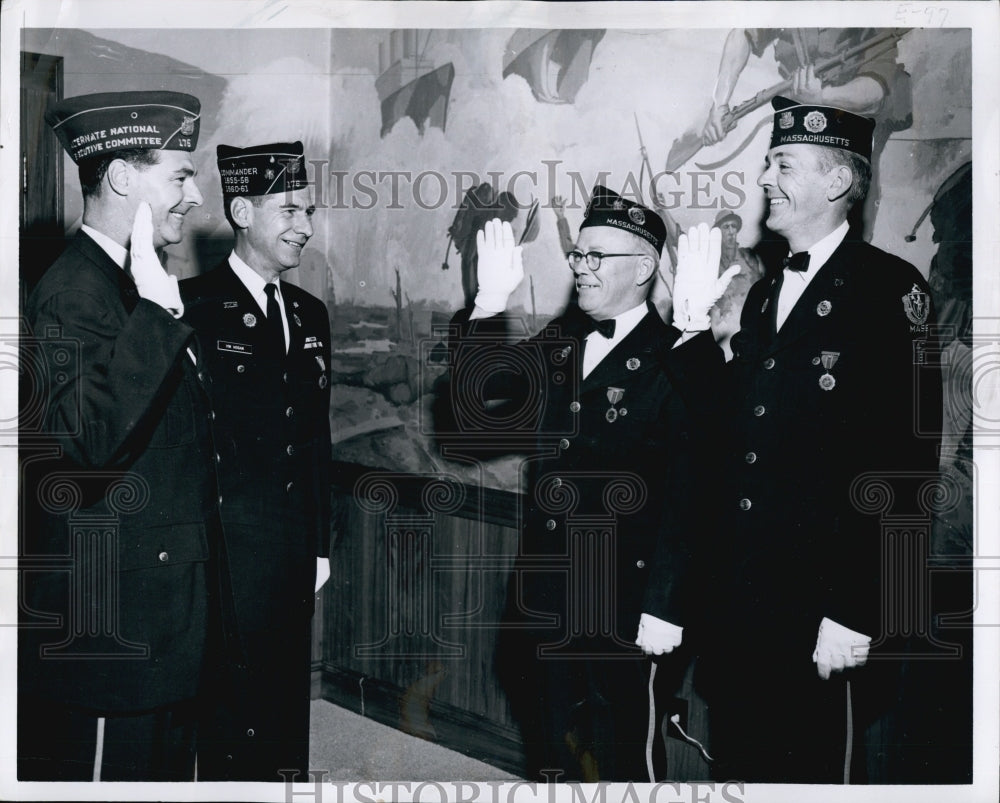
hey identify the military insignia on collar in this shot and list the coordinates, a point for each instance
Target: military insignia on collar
(633, 363)
(917, 306)
(249, 320)
(786, 120)
(815, 122)
(823, 308)
(230, 304)
(637, 215)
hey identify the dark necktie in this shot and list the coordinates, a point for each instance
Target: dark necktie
(606, 328)
(799, 261)
(276, 332)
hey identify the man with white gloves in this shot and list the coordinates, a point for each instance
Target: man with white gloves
(613, 421)
(836, 405)
(122, 602)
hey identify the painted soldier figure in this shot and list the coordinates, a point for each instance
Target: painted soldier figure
(267, 345)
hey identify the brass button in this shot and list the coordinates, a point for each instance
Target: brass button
(250, 732)
(241, 368)
(284, 377)
(816, 361)
(550, 524)
(289, 412)
(289, 486)
(640, 564)
(758, 410)
(769, 363)
(218, 458)
(751, 457)
(574, 407)
(211, 415)
(745, 504)
(220, 500)
(563, 443)
(201, 376)
(290, 450)
(164, 557)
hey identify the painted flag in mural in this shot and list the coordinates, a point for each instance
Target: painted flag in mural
(555, 63)
(424, 99)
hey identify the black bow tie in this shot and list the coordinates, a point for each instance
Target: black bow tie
(605, 328)
(799, 261)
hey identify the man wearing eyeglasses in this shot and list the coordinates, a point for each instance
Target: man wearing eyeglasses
(611, 419)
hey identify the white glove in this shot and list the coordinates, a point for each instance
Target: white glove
(839, 648)
(322, 572)
(656, 636)
(150, 278)
(500, 270)
(697, 285)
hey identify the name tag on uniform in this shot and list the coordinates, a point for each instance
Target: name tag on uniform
(235, 348)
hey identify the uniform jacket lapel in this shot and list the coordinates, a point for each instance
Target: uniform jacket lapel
(820, 299)
(643, 343)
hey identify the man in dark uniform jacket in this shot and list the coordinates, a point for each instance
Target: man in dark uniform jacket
(610, 417)
(119, 473)
(267, 345)
(837, 410)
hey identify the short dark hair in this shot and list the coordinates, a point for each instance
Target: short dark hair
(93, 170)
(256, 200)
(861, 170)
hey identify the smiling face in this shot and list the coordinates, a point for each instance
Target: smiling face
(169, 189)
(277, 230)
(800, 194)
(621, 283)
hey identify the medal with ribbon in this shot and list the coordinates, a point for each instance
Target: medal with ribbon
(614, 396)
(828, 359)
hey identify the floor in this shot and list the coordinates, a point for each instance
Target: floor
(352, 748)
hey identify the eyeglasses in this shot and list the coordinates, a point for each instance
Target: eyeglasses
(593, 258)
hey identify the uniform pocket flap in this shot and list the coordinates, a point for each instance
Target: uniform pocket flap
(162, 546)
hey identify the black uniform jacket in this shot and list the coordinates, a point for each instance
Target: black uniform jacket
(119, 528)
(613, 469)
(836, 428)
(273, 439)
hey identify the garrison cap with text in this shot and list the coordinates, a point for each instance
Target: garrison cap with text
(607, 208)
(821, 125)
(261, 169)
(97, 125)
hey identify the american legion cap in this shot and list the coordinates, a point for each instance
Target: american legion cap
(261, 169)
(100, 124)
(607, 208)
(821, 125)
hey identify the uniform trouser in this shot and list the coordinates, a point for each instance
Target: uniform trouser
(590, 721)
(781, 728)
(257, 725)
(63, 743)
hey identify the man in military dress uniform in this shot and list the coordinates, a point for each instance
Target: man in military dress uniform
(836, 398)
(267, 344)
(610, 417)
(119, 586)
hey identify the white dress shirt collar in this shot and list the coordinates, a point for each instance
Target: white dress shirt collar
(117, 251)
(795, 282)
(598, 346)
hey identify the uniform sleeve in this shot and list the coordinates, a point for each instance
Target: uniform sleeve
(696, 415)
(324, 517)
(105, 400)
(898, 424)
